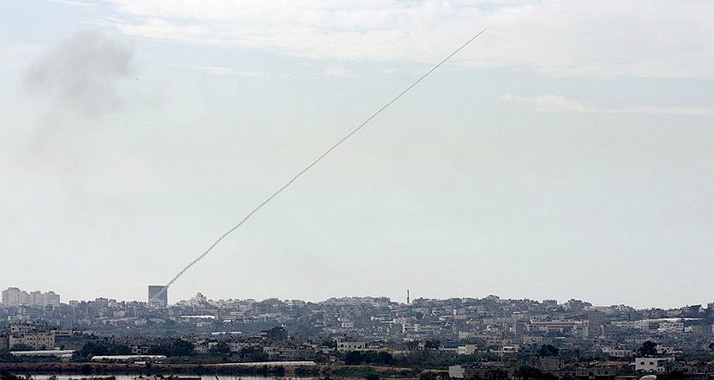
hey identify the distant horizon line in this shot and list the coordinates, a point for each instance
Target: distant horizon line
(493, 296)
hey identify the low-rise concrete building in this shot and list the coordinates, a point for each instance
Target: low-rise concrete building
(654, 365)
(64, 355)
(349, 346)
(128, 358)
(37, 340)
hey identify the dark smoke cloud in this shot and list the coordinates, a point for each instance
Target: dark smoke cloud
(81, 75)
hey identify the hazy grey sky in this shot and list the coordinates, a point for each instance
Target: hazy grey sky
(567, 153)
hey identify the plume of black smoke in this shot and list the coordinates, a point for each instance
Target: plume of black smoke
(81, 75)
(77, 82)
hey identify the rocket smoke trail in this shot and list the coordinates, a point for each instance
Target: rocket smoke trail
(308, 167)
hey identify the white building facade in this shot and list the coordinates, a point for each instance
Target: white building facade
(14, 296)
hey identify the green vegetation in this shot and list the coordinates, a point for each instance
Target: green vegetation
(221, 348)
(179, 347)
(649, 348)
(548, 350)
(355, 371)
(95, 348)
(368, 357)
(8, 376)
(530, 373)
(434, 375)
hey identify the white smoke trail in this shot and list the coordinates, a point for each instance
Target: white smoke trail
(308, 167)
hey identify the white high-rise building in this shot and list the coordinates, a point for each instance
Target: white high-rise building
(24, 298)
(36, 298)
(14, 296)
(11, 297)
(51, 299)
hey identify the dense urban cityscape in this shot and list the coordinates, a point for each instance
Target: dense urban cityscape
(461, 337)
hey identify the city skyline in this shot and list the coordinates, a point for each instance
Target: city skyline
(14, 296)
(548, 160)
(492, 336)
(163, 299)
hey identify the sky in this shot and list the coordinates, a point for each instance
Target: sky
(567, 152)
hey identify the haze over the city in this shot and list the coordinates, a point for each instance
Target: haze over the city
(568, 152)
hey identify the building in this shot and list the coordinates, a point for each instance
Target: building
(596, 324)
(36, 340)
(128, 358)
(14, 296)
(655, 365)
(468, 349)
(158, 296)
(275, 334)
(350, 345)
(618, 352)
(671, 327)
(483, 370)
(36, 298)
(50, 299)
(580, 328)
(63, 355)
(457, 372)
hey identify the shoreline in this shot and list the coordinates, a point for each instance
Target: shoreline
(269, 369)
(94, 369)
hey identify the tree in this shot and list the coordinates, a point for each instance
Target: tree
(548, 350)
(379, 358)
(8, 376)
(21, 347)
(279, 371)
(253, 354)
(161, 349)
(498, 374)
(119, 349)
(532, 373)
(433, 344)
(6, 356)
(649, 348)
(354, 358)
(93, 348)
(433, 375)
(384, 358)
(181, 347)
(222, 348)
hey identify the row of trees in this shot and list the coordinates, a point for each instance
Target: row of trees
(368, 357)
(178, 347)
(97, 348)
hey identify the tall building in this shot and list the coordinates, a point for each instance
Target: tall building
(11, 297)
(596, 328)
(15, 297)
(158, 297)
(36, 298)
(50, 299)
